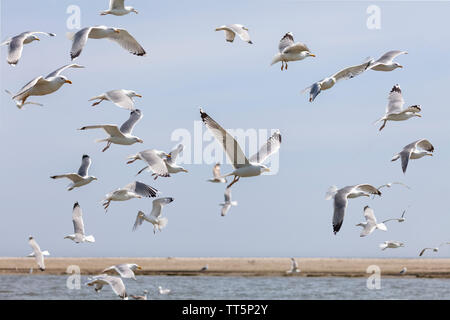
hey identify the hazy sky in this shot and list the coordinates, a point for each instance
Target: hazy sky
(331, 141)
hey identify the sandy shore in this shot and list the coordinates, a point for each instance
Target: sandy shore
(312, 267)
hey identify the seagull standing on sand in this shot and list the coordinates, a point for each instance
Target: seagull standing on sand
(115, 282)
(41, 86)
(329, 82)
(403, 271)
(15, 44)
(386, 63)
(341, 197)
(228, 203)
(78, 226)
(391, 244)
(125, 270)
(120, 136)
(205, 268)
(290, 51)
(434, 249)
(81, 178)
(37, 253)
(233, 29)
(371, 223)
(217, 176)
(121, 98)
(121, 36)
(414, 150)
(155, 216)
(118, 8)
(395, 110)
(130, 191)
(163, 291)
(155, 161)
(294, 267)
(243, 167)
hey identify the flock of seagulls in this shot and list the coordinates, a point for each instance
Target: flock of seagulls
(163, 164)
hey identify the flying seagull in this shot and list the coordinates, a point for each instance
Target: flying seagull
(341, 197)
(371, 223)
(121, 36)
(233, 29)
(434, 249)
(37, 253)
(389, 185)
(163, 291)
(115, 282)
(143, 297)
(217, 176)
(171, 161)
(121, 98)
(290, 51)
(228, 203)
(413, 151)
(155, 161)
(41, 86)
(125, 270)
(401, 219)
(78, 226)
(120, 136)
(155, 216)
(118, 8)
(385, 62)
(329, 82)
(82, 177)
(395, 110)
(391, 244)
(294, 267)
(130, 191)
(243, 166)
(15, 44)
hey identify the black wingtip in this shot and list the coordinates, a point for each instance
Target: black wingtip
(366, 207)
(85, 156)
(76, 205)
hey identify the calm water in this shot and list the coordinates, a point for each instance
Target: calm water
(54, 287)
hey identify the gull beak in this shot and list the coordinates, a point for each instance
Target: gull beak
(139, 267)
(38, 39)
(68, 81)
(245, 28)
(400, 66)
(419, 115)
(267, 169)
(312, 54)
(140, 141)
(185, 170)
(138, 95)
(168, 155)
(135, 11)
(116, 31)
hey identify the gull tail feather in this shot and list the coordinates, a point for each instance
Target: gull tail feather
(89, 238)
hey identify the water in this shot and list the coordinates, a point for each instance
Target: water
(229, 288)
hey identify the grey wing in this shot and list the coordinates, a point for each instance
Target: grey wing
(57, 72)
(226, 207)
(34, 245)
(15, 49)
(227, 195)
(156, 163)
(423, 250)
(79, 41)
(351, 72)
(28, 86)
(158, 204)
(110, 129)
(124, 270)
(117, 286)
(340, 204)
(296, 48)
(216, 170)
(174, 154)
(294, 263)
(425, 145)
(85, 164)
(126, 41)
(404, 155)
(272, 145)
(229, 35)
(128, 125)
(120, 98)
(396, 102)
(77, 219)
(227, 141)
(142, 189)
(285, 42)
(241, 32)
(389, 56)
(116, 4)
(368, 188)
(369, 215)
(139, 220)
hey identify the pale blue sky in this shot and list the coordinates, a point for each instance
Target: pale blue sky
(331, 141)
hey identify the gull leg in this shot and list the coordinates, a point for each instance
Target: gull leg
(97, 102)
(236, 179)
(381, 128)
(140, 171)
(131, 161)
(107, 146)
(282, 65)
(286, 66)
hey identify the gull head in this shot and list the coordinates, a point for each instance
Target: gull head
(115, 30)
(31, 39)
(397, 65)
(263, 168)
(131, 9)
(62, 80)
(92, 178)
(134, 94)
(309, 54)
(139, 140)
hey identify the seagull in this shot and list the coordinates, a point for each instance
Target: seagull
(37, 253)
(395, 110)
(217, 177)
(78, 226)
(120, 136)
(401, 219)
(170, 161)
(391, 244)
(121, 98)
(115, 282)
(341, 197)
(389, 184)
(329, 82)
(117, 8)
(290, 51)
(403, 271)
(385, 63)
(132, 190)
(243, 167)
(41, 86)
(125, 270)
(228, 203)
(121, 36)
(144, 297)
(371, 223)
(434, 249)
(163, 291)
(412, 151)
(294, 267)
(155, 161)
(233, 29)
(15, 44)
(205, 268)
(81, 178)
(155, 216)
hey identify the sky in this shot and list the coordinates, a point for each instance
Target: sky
(188, 65)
